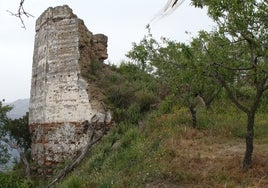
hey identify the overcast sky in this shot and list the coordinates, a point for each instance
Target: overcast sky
(123, 21)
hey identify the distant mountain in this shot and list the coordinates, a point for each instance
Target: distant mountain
(20, 107)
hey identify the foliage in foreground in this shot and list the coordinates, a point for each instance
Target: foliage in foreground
(12, 181)
(14, 134)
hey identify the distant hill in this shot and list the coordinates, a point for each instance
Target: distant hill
(20, 107)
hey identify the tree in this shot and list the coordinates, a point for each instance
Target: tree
(19, 130)
(16, 135)
(173, 63)
(4, 120)
(236, 55)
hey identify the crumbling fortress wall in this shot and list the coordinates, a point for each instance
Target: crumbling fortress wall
(61, 98)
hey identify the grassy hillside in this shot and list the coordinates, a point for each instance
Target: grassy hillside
(152, 143)
(164, 151)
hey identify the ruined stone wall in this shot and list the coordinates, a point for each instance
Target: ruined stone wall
(61, 98)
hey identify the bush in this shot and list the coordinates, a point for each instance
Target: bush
(167, 104)
(145, 99)
(114, 78)
(120, 97)
(130, 115)
(133, 114)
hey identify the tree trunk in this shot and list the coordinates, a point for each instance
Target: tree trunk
(193, 113)
(22, 156)
(247, 162)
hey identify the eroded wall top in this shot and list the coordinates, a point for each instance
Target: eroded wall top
(54, 14)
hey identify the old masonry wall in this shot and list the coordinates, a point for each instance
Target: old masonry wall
(61, 98)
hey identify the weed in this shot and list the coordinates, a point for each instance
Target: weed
(120, 97)
(114, 78)
(145, 99)
(133, 113)
(131, 136)
(154, 145)
(10, 181)
(94, 67)
(73, 182)
(167, 104)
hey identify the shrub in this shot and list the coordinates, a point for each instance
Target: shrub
(133, 113)
(94, 67)
(145, 99)
(167, 104)
(114, 78)
(120, 97)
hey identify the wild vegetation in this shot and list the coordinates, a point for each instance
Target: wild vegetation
(183, 112)
(155, 145)
(233, 56)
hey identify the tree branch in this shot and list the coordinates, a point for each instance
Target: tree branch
(231, 94)
(21, 153)
(20, 13)
(234, 68)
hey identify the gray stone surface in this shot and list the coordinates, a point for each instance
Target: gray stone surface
(61, 98)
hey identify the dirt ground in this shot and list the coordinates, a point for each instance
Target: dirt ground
(215, 161)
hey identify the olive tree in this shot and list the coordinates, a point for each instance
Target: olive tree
(235, 54)
(174, 64)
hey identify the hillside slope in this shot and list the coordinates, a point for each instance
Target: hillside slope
(152, 143)
(164, 151)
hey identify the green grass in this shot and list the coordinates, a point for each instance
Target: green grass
(153, 143)
(12, 181)
(144, 155)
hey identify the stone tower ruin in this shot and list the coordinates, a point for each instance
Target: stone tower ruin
(61, 98)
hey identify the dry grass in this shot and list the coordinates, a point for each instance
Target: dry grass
(200, 159)
(164, 151)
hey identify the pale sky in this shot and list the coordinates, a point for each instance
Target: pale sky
(123, 21)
